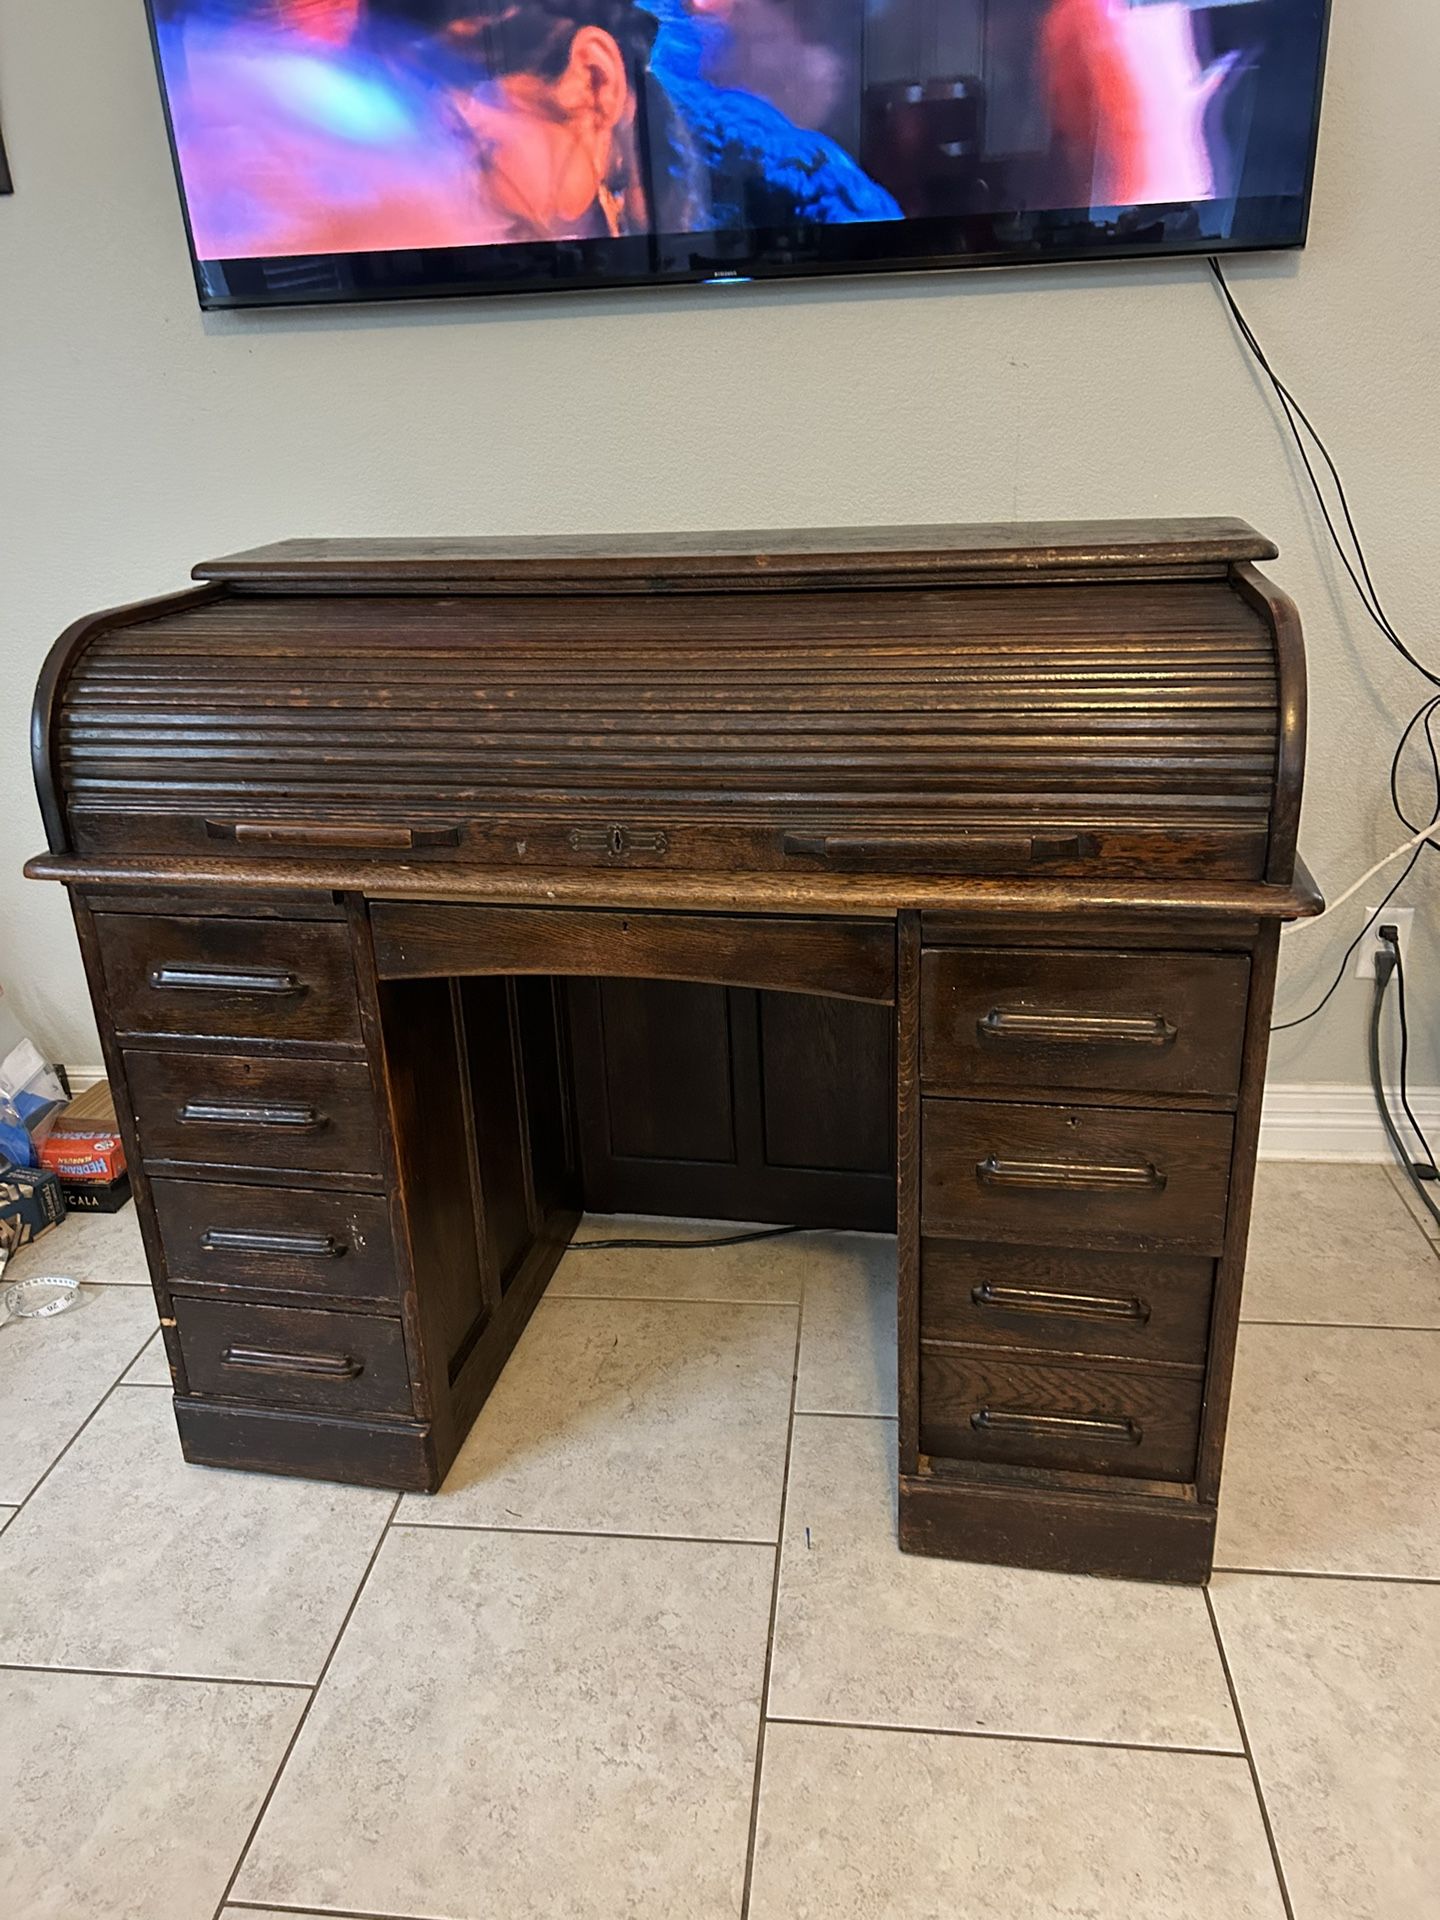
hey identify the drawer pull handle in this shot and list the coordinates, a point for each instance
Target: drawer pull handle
(221, 1113)
(1058, 1426)
(1058, 1028)
(971, 853)
(1077, 1306)
(382, 836)
(280, 1246)
(224, 980)
(330, 1366)
(1069, 1176)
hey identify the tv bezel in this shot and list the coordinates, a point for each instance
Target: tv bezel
(771, 256)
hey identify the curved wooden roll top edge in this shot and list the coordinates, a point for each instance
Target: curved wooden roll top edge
(1284, 619)
(862, 559)
(60, 663)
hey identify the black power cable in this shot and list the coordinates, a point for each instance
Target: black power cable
(1427, 714)
(1427, 1169)
(1387, 964)
(1297, 418)
(1286, 1026)
(1300, 425)
(725, 1240)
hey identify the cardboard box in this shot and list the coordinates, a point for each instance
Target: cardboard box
(84, 1146)
(76, 1157)
(91, 1196)
(90, 1112)
(31, 1203)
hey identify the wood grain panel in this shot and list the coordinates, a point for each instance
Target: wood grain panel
(276, 1240)
(1193, 905)
(668, 1093)
(1045, 1522)
(727, 1104)
(363, 1453)
(1002, 1021)
(852, 959)
(775, 556)
(822, 1063)
(908, 1189)
(492, 1068)
(1063, 730)
(1065, 1301)
(230, 979)
(236, 1110)
(1078, 1176)
(1043, 1413)
(351, 1363)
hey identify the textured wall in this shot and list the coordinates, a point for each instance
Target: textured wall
(137, 435)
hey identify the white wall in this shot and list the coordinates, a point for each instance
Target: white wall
(137, 436)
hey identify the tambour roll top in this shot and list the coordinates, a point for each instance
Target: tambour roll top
(1108, 701)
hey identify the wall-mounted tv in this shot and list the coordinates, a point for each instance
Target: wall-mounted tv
(334, 150)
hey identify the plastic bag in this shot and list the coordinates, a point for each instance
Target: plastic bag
(31, 1095)
(17, 1149)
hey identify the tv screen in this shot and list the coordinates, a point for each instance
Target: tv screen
(375, 149)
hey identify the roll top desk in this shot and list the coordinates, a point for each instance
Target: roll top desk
(344, 824)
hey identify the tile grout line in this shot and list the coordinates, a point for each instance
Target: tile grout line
(116, 1383)
(581, 1533)
(290, 1744)
(314, 1913)
(145, 1673)
(1012, 1739)
(754, 1829)
(1342, 1326)
(1316, 1573)
(842, 1413)
(665, 1300)
(1394, 1176)
(1249, 1756)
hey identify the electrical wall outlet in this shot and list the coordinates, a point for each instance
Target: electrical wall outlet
(1403, 920)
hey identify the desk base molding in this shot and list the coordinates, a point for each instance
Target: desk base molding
(369, 1453)
(1121, 1535)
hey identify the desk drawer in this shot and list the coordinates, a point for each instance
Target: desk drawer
(230, 979)
(220, 1109)
(276, 1240)
(1130, 1305)
(294, 1357)
(1075, 1176)
(1166, 1023)
(1078, 1419)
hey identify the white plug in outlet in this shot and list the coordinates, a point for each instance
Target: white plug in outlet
(1402, 919)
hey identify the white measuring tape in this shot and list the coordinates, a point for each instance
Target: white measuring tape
(41, 1298)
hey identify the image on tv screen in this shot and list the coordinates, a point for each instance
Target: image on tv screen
(580, 140)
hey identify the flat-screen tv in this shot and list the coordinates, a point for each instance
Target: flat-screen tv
(334, 150)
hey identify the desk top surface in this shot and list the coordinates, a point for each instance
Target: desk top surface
(660, 561)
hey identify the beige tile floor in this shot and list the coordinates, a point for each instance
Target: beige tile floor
(653, 1651)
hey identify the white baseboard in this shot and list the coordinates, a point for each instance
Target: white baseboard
(1321, 1121)
(1335, 1122)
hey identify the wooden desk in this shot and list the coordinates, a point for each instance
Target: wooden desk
(346, 826)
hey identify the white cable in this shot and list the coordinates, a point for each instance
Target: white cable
(1432, 832)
